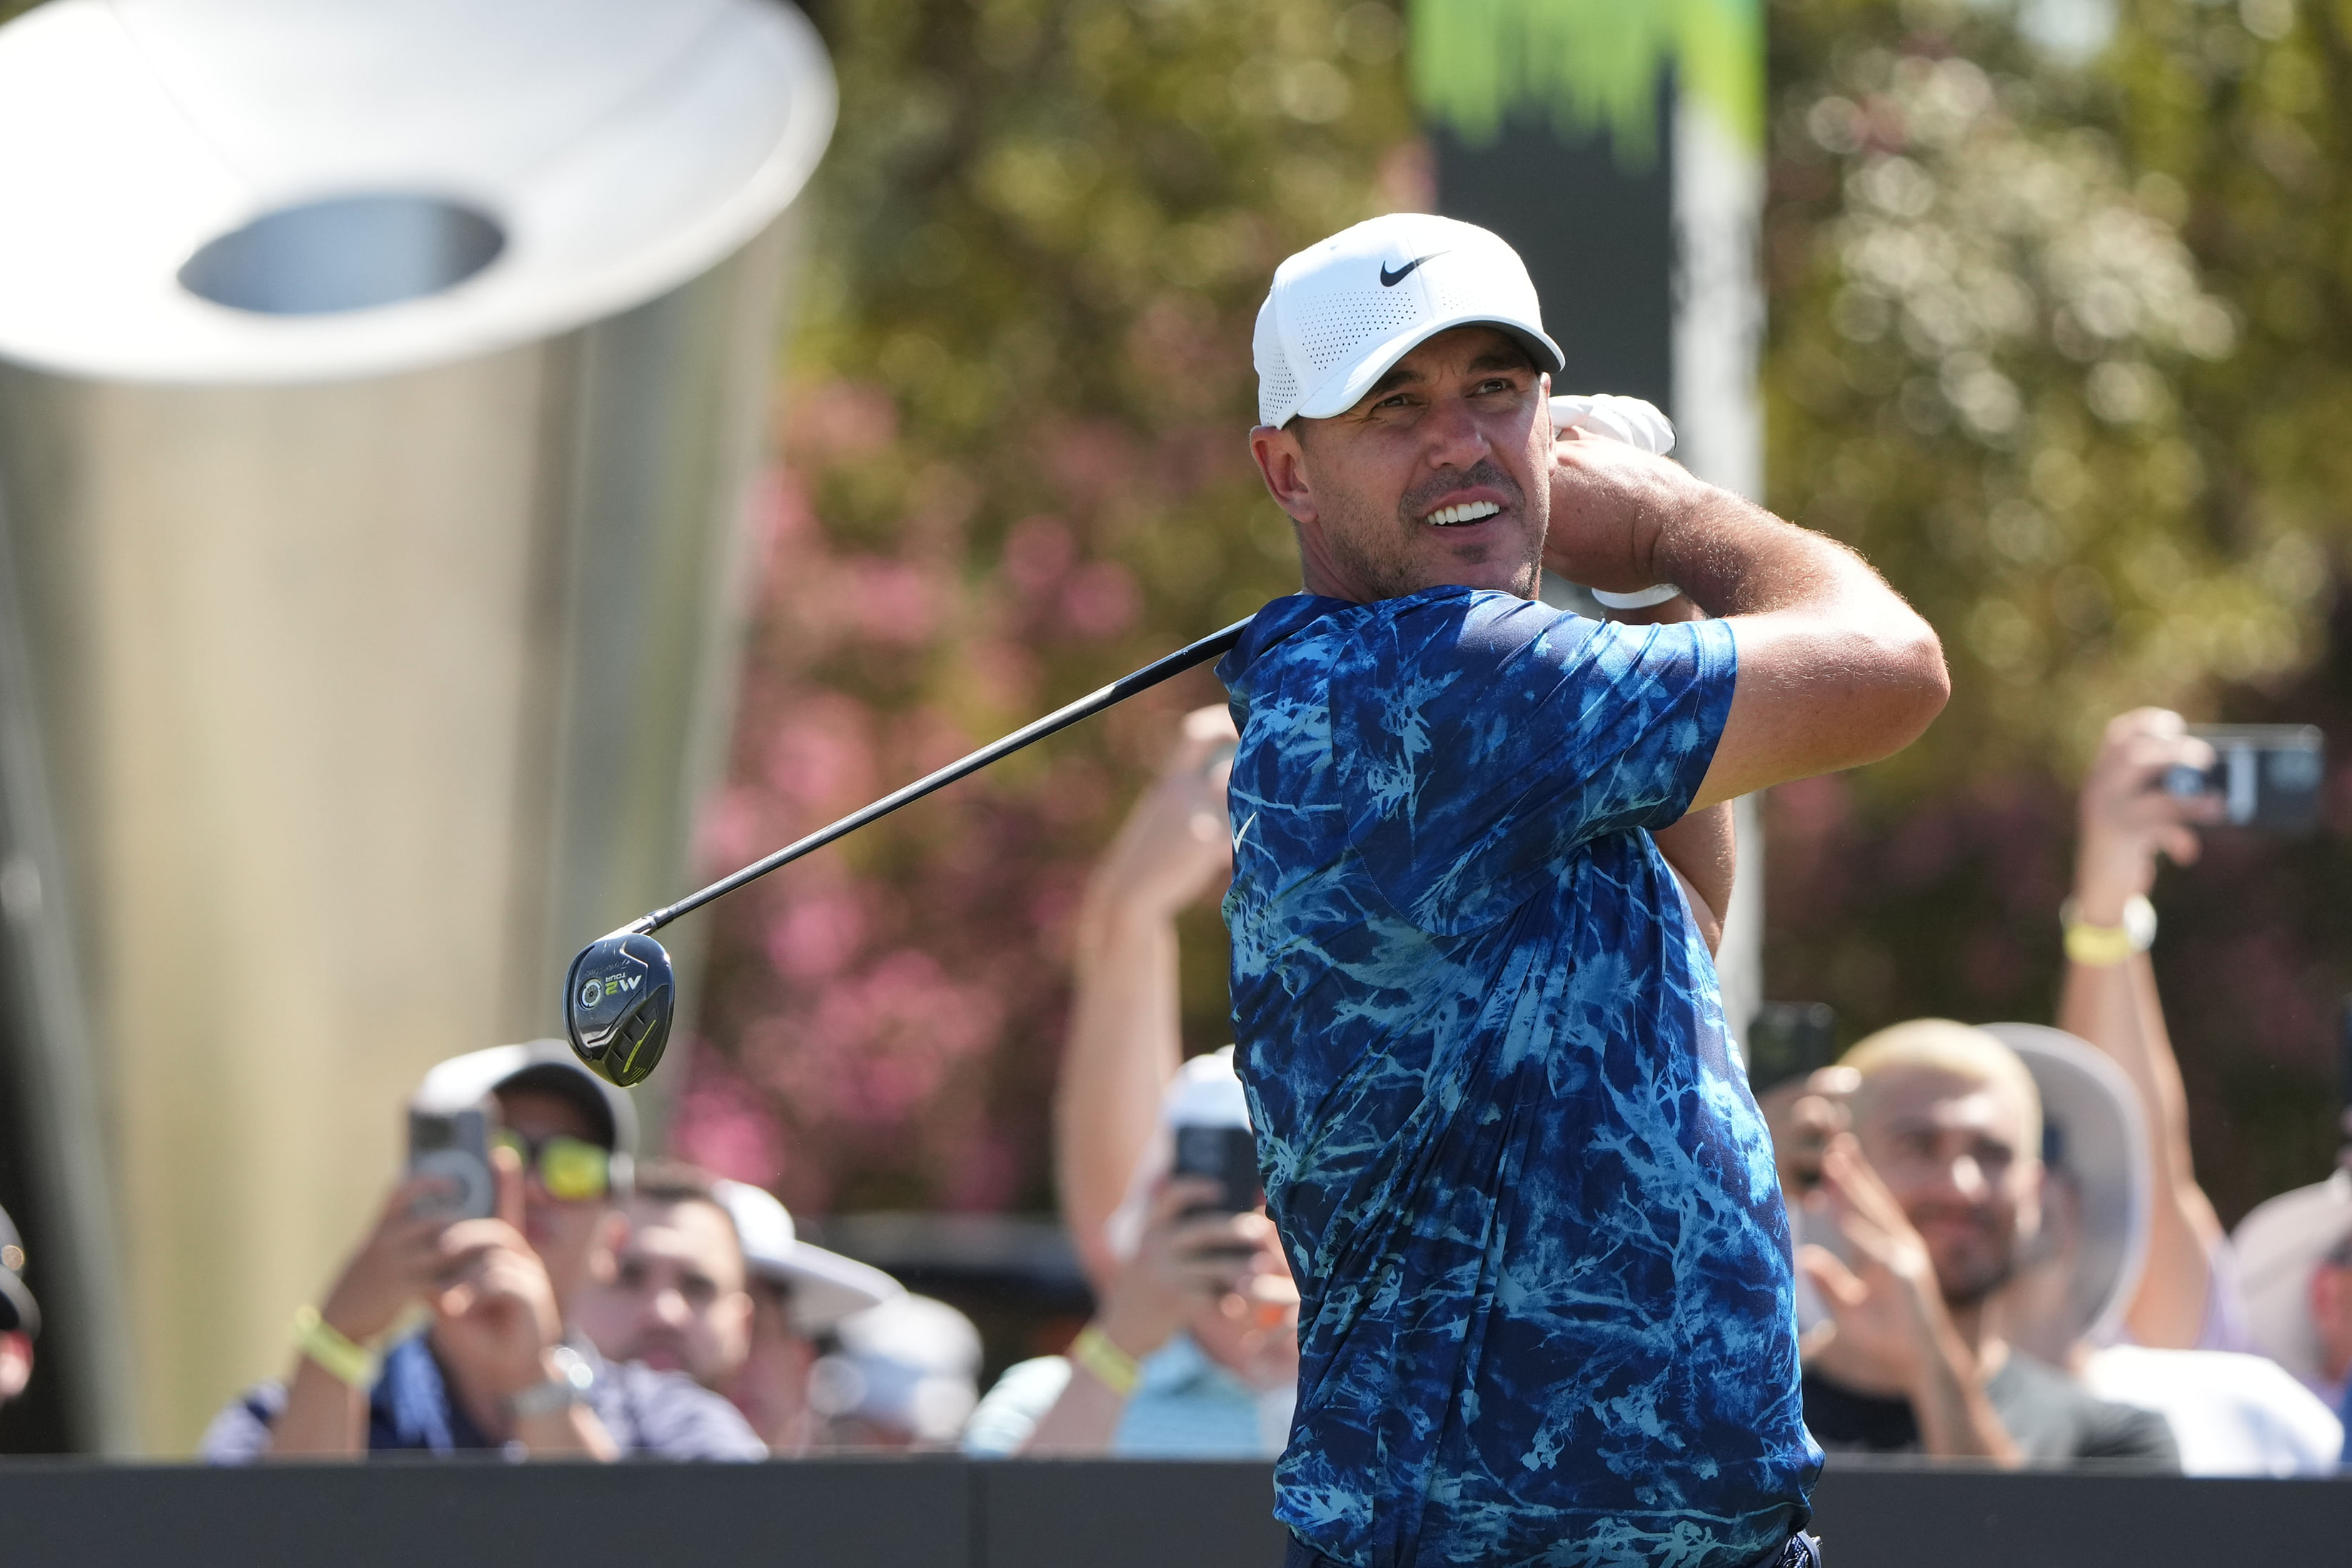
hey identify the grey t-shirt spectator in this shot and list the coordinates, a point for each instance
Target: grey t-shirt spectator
(650, 1414)
(2054, 1419)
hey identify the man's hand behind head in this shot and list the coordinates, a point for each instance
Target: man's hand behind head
(1609, 501)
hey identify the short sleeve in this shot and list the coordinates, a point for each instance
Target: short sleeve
(1005, 1419)
(239, 1435)
(1490, 736)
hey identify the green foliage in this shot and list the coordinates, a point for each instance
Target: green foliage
(1999, 371)
(1593, 65)
(2063, 350)
(1014, 467)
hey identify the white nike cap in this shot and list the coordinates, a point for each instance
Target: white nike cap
(1340, 313)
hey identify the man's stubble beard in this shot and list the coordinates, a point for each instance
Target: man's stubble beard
(1389, 574)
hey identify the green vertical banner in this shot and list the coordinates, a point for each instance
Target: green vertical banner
(1618, 145)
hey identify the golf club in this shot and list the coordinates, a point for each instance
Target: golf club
(619, 997)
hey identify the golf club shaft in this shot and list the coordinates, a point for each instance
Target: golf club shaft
(1117, 691)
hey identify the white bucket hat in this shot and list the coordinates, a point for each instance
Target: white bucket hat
(2278, 1245)
(2094, 1138)
(826, 1287)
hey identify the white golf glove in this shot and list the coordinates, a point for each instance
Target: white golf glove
(1628, 419)
(1637, 423)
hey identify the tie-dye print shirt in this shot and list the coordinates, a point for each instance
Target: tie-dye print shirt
(1526, 1192)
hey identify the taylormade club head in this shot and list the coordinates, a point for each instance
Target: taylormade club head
(618, 1002)
(619, 997)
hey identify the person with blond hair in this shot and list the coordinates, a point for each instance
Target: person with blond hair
(1915, 1221)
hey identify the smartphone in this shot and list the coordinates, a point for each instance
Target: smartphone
(454, 1145)
(1226, 1155)
(2268, 774)
(1790, 1040)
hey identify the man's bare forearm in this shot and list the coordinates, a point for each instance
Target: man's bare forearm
(1124, 1046)
(324, 1419)
(2116, 1008)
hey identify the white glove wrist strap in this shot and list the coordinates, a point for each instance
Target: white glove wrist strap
(1640, 599)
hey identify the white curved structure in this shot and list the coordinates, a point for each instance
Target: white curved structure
(379, 383)
(621, 146)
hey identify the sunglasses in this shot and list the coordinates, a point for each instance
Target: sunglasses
(573, 1170)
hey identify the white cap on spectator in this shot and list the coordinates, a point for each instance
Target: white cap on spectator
(2278, 1245)
(826, 1287)
(1205, 1092)
(549, 1065)
(1341, 312)
(2094, 1137)
(912, 1364)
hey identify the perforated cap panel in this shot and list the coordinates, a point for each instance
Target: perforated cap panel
(1341, 312)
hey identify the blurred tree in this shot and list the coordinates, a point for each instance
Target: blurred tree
(1013, 467)
(2050, 342)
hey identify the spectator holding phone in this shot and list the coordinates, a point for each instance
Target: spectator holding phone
(708, 1279)
(496, 1365)
(1914, 1220)
(2187, 1299)
(1193, 1349)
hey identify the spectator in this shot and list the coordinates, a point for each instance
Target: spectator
(708, 1279)
(496, 1365)
(799, 1295)
(2231, 1414)
(2295, 1254)
(903, 1378)
(2187, 1298)
(1923, 1205)
(1194, 1348)
(673, 1296)
(20, 1316)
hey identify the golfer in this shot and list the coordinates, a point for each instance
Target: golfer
(1515, 1163)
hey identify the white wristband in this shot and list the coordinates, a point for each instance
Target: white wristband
(1640, 599)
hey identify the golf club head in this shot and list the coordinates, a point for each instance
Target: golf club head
(618, 1002)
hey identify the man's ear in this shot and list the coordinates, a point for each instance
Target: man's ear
(1282, 463)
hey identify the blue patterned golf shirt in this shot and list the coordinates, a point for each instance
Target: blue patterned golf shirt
(1526, 1192)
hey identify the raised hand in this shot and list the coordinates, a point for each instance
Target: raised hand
(394, 1266)
(2127, 819)
(1177, 842)
(1888, 1328)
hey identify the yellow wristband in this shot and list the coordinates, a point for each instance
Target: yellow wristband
(1113, 1367)
(2102, 947)
(337, 1357)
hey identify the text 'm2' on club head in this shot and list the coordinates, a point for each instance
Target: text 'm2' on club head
(617, 1004)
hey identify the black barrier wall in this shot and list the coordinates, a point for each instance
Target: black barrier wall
(945, 1513)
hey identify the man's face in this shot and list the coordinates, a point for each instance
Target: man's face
(1439, 475)
(565, 1234)
(1950, 1149)
(675, 1299)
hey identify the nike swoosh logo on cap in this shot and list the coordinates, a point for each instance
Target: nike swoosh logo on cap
(1390, 280)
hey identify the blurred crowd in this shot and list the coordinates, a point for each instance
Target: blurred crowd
(2004, 1253)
